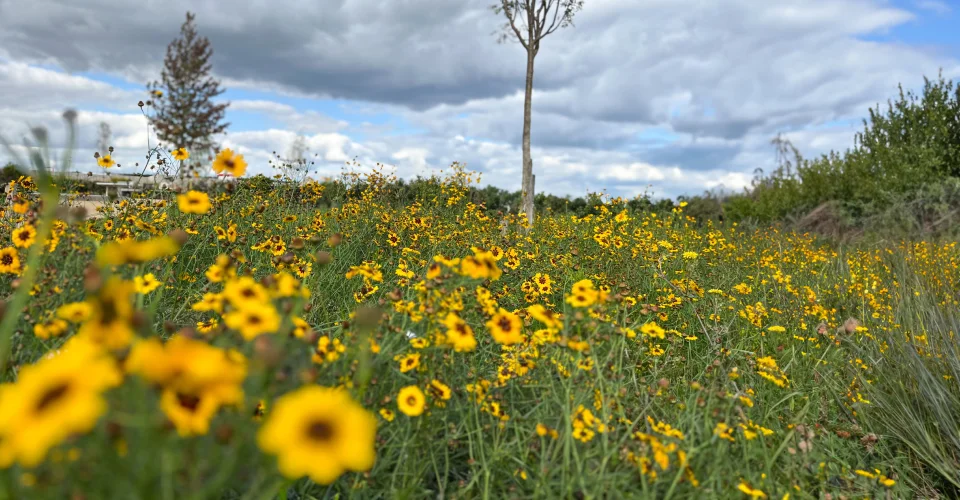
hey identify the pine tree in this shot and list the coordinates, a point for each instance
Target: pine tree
(185, 114)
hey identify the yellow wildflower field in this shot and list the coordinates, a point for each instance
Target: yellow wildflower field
(258, 338)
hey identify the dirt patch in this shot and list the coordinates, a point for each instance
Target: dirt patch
(825, 220)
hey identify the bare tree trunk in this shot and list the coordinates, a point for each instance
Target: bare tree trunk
(527, 181)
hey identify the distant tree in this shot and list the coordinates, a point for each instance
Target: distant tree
(103, 139)
(785, 149)
(298, 149)
(529, 22)
(185, 114)
(295, 164)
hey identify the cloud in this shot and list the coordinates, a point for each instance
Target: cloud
(306, 122)
(684, 95)
(935, 6)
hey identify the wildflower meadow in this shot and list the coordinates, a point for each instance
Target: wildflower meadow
(255, 337)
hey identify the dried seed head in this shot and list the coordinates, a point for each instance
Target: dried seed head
(323, 257)
(179, 235)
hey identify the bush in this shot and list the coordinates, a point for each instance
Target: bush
(904, 152)
(10, 172)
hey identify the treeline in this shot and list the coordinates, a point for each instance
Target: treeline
(494, 199)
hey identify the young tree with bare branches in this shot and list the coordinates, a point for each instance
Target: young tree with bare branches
(103, 138)
(529, 22)
(185, 114)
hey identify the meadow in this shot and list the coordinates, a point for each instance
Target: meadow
(262, 338)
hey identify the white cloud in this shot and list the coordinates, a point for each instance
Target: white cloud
(935, 6)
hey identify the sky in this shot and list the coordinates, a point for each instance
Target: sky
(665, 97)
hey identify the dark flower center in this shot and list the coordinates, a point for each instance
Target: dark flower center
(52, 395)
(6, 259)
(188, 401)
(320, 430)
(108, 311)
(504, 324)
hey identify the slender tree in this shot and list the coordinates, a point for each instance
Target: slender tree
(103, 139)
(295, 164)
(529, 22)
(298, 149)
(185, 113)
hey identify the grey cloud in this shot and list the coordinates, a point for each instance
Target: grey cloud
(724, 76)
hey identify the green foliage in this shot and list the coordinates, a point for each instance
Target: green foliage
(896, 163)
(10, 172)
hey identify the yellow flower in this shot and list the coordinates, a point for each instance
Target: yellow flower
(146, 283)
(245, 291)
(131, 251)
(319, 432)
(180, 154)
(545, 316)
(189, 413)
(210, 302)
(193, 202)
(197, 379)
(481, 265)
(505, 327)
(53, 399)
(106, 161)
(411, 401)
(583, 434)
(439, 390)
(328, 350)
(51, 328)
(584, 294)
(459, 333)
(749, 491)
(387, 414)
(690, 255)
(409, 362)
(229, 162)
(300, 327)
(723, 431)
(253, 321)
(652, 330)
(109, 323)
(434, 270)
(24, 236)
(207, 326)
(369, 270)
(9, 261)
